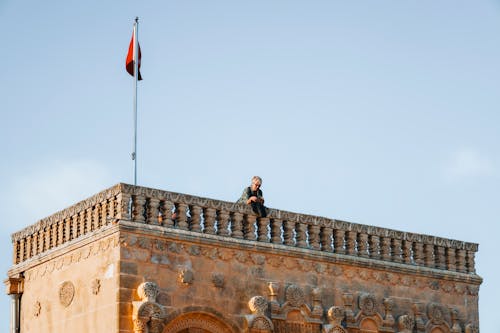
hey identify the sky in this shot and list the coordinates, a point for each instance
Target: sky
(377, 112)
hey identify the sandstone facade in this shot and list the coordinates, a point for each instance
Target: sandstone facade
(134, 259)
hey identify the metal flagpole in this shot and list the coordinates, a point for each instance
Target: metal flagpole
(136, 78)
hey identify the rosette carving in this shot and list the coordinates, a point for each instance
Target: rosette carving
(295, 295)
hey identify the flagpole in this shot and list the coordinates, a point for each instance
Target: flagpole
(136, 77)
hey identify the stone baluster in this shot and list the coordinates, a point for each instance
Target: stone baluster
(313, 231)
(153, 210)
(471, 268)
(451, 259)
(288, 233)
(249, 227)
(195, 212)
(385, 249)
(181, 217)
(60, 232)
(123, 209)
(111, 208)
(82, 222)
(34, 248)
(351, 242)
(374, 246)
(440, 257)
(429, 255)
(301, 234)
(46, 243)
(16, 253)
(407, 259)
(95, 217)
(209, 221)
(262, 229)
(338, 241)
(418, 253)
(138, 205)
(67, 230)
(103, 216)
(28, 247)
(276, 231)
(223, 226)
(397, 253)
(326, 237)
(41, 241)
(53, 235)
(461, 266)
(88, 220)
(75, 225)
(362, 241)
(166, 208)
(237, 225)
(22, 250)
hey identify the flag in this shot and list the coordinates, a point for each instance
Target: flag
(129, 63)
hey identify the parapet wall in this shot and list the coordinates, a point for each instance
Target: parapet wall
(208, 216)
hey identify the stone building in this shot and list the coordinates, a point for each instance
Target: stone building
(132, 259)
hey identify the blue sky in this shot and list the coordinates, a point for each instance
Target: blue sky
(383, 112)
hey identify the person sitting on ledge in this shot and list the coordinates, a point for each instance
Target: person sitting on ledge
(252, 195)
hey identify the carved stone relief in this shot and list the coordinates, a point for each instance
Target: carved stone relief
(435, 313)
(258, 321)
(147, 315)
(37, 309)
(405, 324)
(186, 276)
(294, 296)
(367, 304)
(95, 286)
(218, 280)
(66, 293)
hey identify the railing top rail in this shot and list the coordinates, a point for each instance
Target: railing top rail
(130, 190)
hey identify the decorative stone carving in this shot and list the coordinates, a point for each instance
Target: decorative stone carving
(258, 305)
(218, 280)
(405, 324)
(418, 311)
(335, 316)
(349, 314)
(148, 291)
(147, 315)
(95, 286)
(258, 321)
(317, 311)
(294, 296)
(367, 304)
(471, 328)
(66, 293)
(389, 319)
(273, 296)
(186, 276)
(435, 313)
(455, 321)
(37, 309)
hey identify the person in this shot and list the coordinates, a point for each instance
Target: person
(252, 195)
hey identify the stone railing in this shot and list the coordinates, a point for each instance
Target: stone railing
(215, 217)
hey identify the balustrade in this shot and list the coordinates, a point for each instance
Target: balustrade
(201, 215)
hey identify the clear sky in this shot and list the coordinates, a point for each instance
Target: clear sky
(377, 112)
